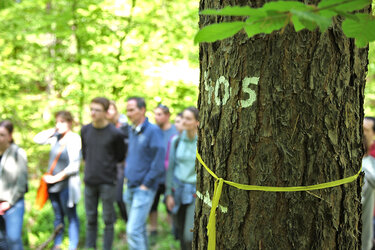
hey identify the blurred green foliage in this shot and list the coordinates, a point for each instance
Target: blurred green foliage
(60, 54)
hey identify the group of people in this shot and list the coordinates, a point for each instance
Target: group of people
(153, 160)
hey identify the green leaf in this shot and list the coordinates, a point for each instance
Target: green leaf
(285, 6)
(329, 13)
(347, 15)
(341, 7)
(234, 11)
(279, 6)
(345, 6)
(274, 21)
(310, 20)
(308, 24)
(218, 31)
(297, 24)
(363, 30)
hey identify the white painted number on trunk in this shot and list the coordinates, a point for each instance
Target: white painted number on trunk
(228, 90)
(224, 81)
(246, 88)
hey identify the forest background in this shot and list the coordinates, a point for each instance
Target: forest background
(58, 55)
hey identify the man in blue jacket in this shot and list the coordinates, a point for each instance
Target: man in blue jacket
(144, 167)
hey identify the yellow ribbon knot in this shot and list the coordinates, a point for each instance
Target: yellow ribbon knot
(211, 226)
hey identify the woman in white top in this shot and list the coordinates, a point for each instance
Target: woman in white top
(64, 182)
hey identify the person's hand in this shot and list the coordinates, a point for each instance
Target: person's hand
(170, 202)
(4, 206)
(50, 179)
(143, 187)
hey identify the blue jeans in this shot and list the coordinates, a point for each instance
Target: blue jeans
(107, 193)
(13, 225)
(60, 207)
(138, 204)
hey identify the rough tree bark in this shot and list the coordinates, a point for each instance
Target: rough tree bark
(283, 109)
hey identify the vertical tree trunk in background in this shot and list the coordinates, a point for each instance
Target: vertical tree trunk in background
(50, 71)
(281, 110)
(117, 90)
(78, 61)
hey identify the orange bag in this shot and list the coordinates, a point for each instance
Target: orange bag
(42, 193)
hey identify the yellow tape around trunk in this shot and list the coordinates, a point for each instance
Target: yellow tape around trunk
(211, 226)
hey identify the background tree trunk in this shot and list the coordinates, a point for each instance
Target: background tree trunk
(283, 109)
(78, 60)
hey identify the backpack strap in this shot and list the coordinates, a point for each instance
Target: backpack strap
(177, 142)
(16, 154)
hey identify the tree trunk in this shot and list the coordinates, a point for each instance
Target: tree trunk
(78, 61)
(49, 77)
(282, 110)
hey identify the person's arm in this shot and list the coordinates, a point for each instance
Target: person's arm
(370, 173)
(83, 143)
(171, 167)
(74, 153)
(120, 146)
(170, 172)
(166, 159)
(21, 175)
(45, 136)
(157, 164)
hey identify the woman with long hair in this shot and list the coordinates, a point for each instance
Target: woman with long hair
(181, 178)
(64, 182)
(13, 185)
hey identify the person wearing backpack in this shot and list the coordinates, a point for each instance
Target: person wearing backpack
(13, 186)
(181, 178)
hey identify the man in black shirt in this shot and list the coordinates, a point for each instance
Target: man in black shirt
(102, 148)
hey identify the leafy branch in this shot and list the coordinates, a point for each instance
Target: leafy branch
(277, 15)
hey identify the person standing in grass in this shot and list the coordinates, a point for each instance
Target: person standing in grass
(102, 149)
(64, 183)
(144, 167)
(181, 178)
(162, 119)
(13, 186)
